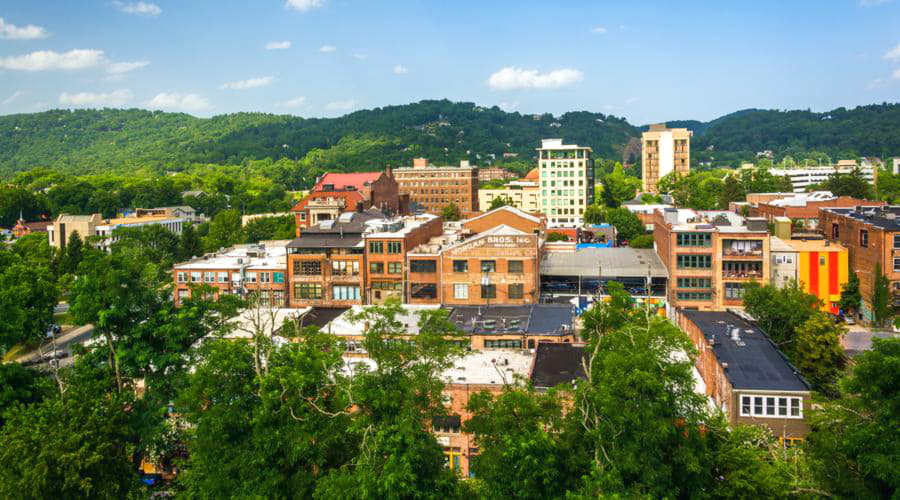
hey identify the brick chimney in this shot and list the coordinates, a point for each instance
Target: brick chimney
(420, 162)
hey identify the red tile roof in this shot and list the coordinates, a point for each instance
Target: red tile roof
(340, 181)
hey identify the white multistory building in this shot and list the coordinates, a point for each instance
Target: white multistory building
(804, 177)
(566, 173)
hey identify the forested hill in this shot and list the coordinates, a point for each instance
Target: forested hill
(115, 140)
(110, 140)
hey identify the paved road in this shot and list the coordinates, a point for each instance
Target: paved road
(61, 308)
(64, 342)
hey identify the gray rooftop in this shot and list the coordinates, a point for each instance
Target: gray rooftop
(757, 364)
(336, 233)
(546, 319)
(613, 262)
(880, 217)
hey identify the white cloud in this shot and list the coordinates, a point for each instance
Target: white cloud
(13, 32)
(125, 67)
(43, 60)
(115, 98)
(361, 57)
(293, 103)
(252, 83)
(278, 45)
(341, 105)
(509, 106)
(400, 70)
(327, 48)
(142, 8)
(304, 5)
(893, 54)
(599, 29)
(185, 102)
(15, 95)
(511, 78)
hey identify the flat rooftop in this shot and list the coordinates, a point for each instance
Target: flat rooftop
(557, 363)
(243, 326)
(543, 319)
(264, 255)
(343, 326)
(881, 217)
(753, 364)
(490, 366)
(614, 262)
(396, 227)
(146, 219)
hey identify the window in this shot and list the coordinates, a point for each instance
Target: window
(516, 267)
(897, 265)
(263, 277)
(836, 231)
(376, 247)
(422, 266)
(516, 291)
(308, 267)
(394, 247)
(308, 290)
(386, 285)
(251, 278)
(460, 291)
(693, 239)
(341, 292)
(182, 277)
(395, 267)
(694, 261)
(345, 268)
(182, 295)
(734, 291)
(863, 238)
(502, 344)
(694, 296)
(277, 277)
(423, 290)
(771, 406)
(694, 283)
(488, 266)
(223, 276)
(209, 277)
(788, 442)
(460, 266)
(446, 425)
(897, 241)
(376, 267)
(488, 291)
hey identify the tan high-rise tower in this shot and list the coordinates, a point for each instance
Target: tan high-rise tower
(664, 150)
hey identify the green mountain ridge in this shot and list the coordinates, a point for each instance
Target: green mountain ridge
(119, 141)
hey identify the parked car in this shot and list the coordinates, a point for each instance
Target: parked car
(849, 320)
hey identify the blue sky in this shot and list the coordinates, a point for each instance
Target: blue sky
(644, 60)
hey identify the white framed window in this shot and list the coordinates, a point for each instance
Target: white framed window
(209, 277)
(771, 406)
(263, 277)
(251, 277)
(182, 277)
(195, 276)
(223, 276)
(896, 265)
(460, 291)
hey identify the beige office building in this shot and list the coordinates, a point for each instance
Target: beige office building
(664, 150)
(567, 182)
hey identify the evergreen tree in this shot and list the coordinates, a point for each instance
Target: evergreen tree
(190, 245)
(73, 253)
(451, 212)
(851, 298)
(881, 297)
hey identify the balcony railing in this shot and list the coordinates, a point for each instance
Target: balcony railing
(742, 274)
(728, 252)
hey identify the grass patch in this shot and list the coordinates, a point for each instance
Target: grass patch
(13, 353)
(65, 318)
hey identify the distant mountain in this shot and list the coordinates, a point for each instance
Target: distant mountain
(112, 140)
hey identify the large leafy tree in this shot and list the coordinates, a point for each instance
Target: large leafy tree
(619, 187)
(817, 352)
(451, 212)
(19, 385)
(290, 421)
(398, 457)
(627, 224)
(852, 184)
(854, 441)
(28, 294)
(780, 311)
(190, 245)
(75, 445)
(224, 231)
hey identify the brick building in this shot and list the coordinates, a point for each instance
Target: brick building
(326, 263)
(803, 208)
(23, 228)
(487, 174)
(871, 234)
(746, 375)
(710, 256)
(387, 242)
(240, 270)
(86, 226)
(336, 193)
(434, 188)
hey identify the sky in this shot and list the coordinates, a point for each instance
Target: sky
(647, 61)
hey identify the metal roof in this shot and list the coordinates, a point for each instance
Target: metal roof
(613, 262)
(557, 363)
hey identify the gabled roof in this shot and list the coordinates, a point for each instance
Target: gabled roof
(359, 181)
(512, 210)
